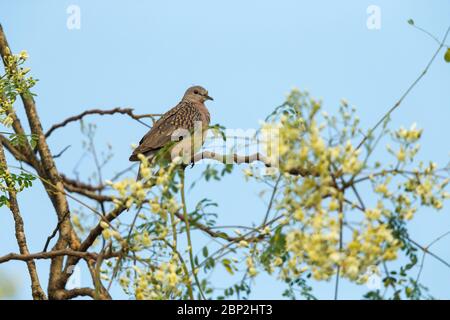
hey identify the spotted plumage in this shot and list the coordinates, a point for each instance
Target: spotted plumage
(183, 116)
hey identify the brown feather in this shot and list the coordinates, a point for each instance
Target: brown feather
(182, 116)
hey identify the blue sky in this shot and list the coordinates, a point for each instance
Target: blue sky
(248, 54)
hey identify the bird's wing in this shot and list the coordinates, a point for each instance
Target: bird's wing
(181, 116)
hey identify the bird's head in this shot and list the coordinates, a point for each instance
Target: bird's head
(197, 94)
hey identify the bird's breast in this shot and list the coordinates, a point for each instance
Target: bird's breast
(206, 118)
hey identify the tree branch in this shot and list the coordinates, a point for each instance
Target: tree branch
(410, 88)
(125, 111)
(78, 184)
(36, 289)
(47, 255)
(238, 159)
(46, 168)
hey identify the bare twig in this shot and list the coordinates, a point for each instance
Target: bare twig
(405, 94)
(425, 249)
(59, 154)
(88, 193)
(272, 198)
(126, 111)
(341, 240)
(80, 185)
(53, 234)
(238, 159)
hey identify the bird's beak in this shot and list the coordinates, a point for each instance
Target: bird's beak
(209, 98)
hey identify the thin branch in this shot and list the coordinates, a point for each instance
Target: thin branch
(210, 232)
(80, 185)
(432, 36)
(363, 207)
(188, 234)
(438, 239)
(97, 230)
(59, 154)
(410, 88)
(125, 248)
(125, 111)
(88, 193)
(53, 234)
(272, 198)
(120, 173)
(338, 272)
(238, 159)
(425, 249)
(47, 255)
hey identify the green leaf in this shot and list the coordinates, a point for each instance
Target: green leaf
(227, 264)
(4, 201)
(447, 55)
(205, 251)
(33, 140)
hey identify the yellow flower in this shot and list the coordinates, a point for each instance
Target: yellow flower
(408, 215)
(146, 241)
(159, 275)
(8, 121)
(278, 261)
(304, 153)
(437, 204)
(106, 234)
(299, 215)
(252, 272)
(124, 281)
(104, 224)
(334, 205)
(401, 155)
(172, 279)
(390, 254)
(334, 153)
(383, 189)
(155, 206)
(373, 214)
(243, 244)
(335, 257)
(23, 55)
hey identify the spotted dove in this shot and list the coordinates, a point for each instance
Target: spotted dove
(189, 111)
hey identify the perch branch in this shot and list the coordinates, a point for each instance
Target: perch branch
(238, 159)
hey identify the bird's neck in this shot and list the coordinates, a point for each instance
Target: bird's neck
(204, 112)
(201, 107)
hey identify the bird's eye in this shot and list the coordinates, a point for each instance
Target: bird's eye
(196, 91)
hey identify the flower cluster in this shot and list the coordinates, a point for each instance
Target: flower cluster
(327, 226)
(136, 192)
(153, 270)
(158, 283)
